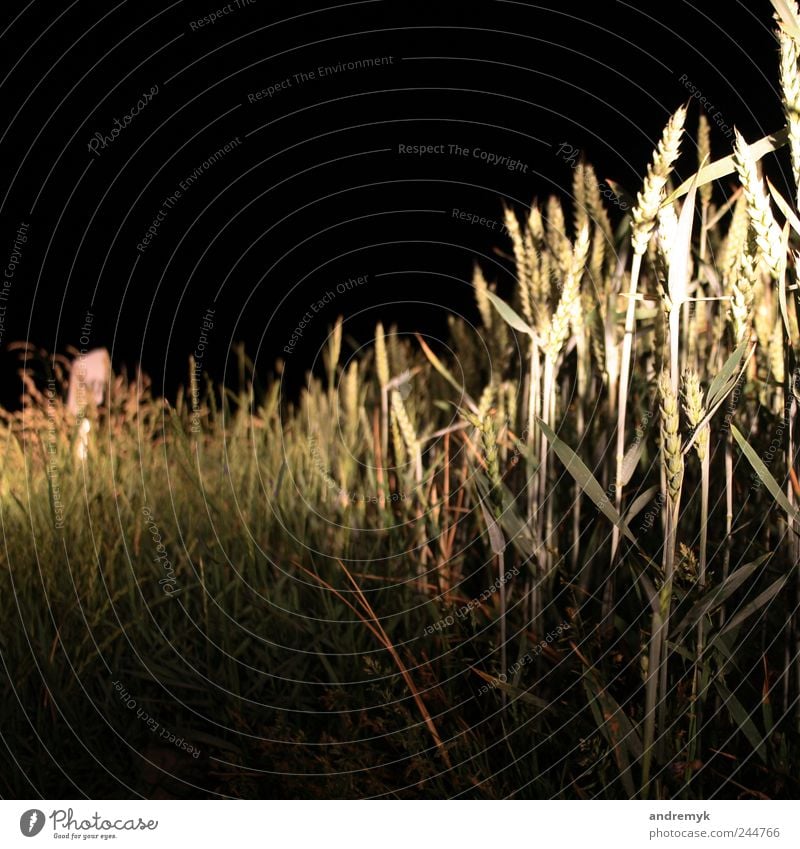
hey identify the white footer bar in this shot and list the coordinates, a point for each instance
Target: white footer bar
(401, 825)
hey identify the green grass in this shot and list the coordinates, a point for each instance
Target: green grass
(262, 657)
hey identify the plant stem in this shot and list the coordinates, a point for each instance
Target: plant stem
(624, 379)
(547, 391)
(651, 695)
(533, 409)
(665, 600)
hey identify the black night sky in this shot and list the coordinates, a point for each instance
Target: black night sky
(165, 165)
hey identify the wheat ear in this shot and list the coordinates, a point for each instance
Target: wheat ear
(649, 199)
(409, 435)
(644, 217)
(766, 230)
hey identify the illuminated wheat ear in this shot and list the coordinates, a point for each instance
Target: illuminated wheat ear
(671, 454)
(484, 422)
(790, 85)
(743, 295)
(570, 296)
(486, 400)
(514, 232)
(381, 356)
(736, 237)
(407, 431)
(649, 199)
(351, 396)
(556, 229)
(489, 442)
(482, 296)
(695, 411)
(666, 232)
(765, 228)
(579, 205)
(397, 441)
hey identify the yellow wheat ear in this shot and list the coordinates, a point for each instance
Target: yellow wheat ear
(765, 228)
(482, 297)
(671, 453)
(695, 410)
(381, 356)
(743, 295)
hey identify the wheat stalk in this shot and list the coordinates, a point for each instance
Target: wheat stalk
(644, 218)
(695, 411)
(790, 85)
(649, 199)
(579, 204)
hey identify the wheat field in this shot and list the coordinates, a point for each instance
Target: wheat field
(560, 563)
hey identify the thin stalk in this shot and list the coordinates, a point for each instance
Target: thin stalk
(651, 696)
(674, 348)
(577, 492)
(673, 513)
(533, 409)
(547, 391)
(726, 559)
(696, 715)
(793, 538)
(503, 631)
(705, 486)
(384, 421)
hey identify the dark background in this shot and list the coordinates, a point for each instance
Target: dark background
(317, 193)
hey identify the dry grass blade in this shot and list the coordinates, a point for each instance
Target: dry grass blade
(370, 619)
(585, 479)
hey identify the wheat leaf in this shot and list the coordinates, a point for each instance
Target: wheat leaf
(756, 604)
(631, 460)
(725, 166)
(784, 207)
(509, 316)
(585, 479)
(681, 249)
(496, 538)
(716, 391)
(640, 502)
